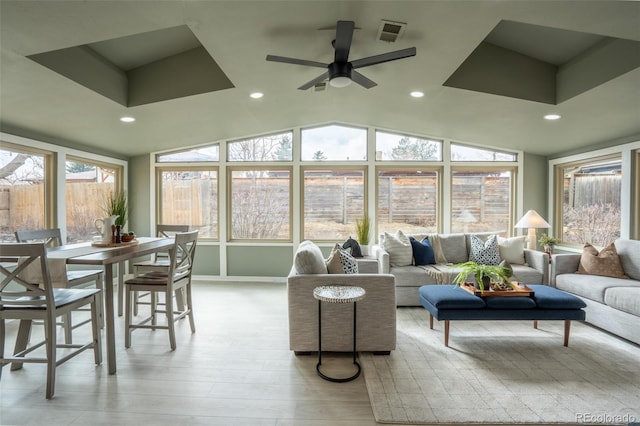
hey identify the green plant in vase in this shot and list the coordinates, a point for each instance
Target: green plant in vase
(116, 205)
(483, 274)
(363, 227)
(548, 242)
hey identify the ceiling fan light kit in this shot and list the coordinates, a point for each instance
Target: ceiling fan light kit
(342, 71)
(340, 81)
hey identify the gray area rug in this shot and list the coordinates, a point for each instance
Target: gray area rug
(503, 372)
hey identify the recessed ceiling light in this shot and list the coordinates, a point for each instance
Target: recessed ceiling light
(552, 117)
(256, 95)
(127, 119)
(417, 94)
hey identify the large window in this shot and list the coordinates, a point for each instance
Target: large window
(87, 186)
(407, 200)
(481, 200)
(22, 191)
(334, 143)
(189, 196)
(260, 203)
(590, 201)
(315, 182)
(333, 200)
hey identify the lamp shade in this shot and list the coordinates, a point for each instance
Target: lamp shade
(532, 220)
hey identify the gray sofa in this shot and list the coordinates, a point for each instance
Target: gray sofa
(534, 268)
(613, 304)
(376, 313)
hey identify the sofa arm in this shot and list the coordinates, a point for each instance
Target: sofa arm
(383, 259)
(563, 264)
(539, 261)
(376, 313)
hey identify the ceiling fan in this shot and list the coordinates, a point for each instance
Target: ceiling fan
(342, 71)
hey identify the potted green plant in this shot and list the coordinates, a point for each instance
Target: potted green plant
(363, 227)
(116, 204)
(483, 274)
(548, 242)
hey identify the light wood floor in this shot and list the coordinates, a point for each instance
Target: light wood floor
(235, 370)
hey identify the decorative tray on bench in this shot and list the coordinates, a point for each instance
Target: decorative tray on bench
(517, 289)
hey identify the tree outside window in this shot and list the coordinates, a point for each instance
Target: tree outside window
(263, 148)
(333, 143)
(22, 192)
(260, 204)
(591, 202)
(394, 147)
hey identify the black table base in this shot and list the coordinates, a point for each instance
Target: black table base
(320, 373)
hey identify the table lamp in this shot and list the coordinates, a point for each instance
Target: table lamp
(532, 220)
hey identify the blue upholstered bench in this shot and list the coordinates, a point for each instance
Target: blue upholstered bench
(450, 302)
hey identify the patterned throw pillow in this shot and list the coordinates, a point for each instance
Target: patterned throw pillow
(485, 253)
(606, 263)
(341, 262)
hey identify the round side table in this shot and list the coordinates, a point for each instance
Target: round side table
(337, 294)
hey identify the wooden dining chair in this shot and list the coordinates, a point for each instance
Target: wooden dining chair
(158, 263)
(25, 301)
(177, 277)
(75, 278)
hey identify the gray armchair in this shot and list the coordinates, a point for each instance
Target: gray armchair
(376, 313)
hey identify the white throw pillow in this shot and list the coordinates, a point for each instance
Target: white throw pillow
(308, 259)
(485, 253)
(399, 248)
(512, 249)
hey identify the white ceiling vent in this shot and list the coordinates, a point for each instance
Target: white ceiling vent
(321, 87)
(390, 31)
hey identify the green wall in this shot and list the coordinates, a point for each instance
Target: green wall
(139, 197)
(535, 184)
(207, 260)
(259, 261)
(535, 187)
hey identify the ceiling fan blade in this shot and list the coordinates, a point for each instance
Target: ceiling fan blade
(385, 57)
(362, 80)
(315, 81)
(295, 61)
(342, 44)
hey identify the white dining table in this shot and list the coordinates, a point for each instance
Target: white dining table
(87, 254)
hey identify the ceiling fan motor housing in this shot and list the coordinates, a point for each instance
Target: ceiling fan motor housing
(340, 69)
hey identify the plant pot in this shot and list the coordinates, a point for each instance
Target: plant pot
(548, 248)
(486, 282)
(364, 249)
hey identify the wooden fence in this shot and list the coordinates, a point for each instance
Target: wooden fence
(264, 203)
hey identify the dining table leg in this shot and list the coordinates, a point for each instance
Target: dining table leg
(121, 266)
(109, 317)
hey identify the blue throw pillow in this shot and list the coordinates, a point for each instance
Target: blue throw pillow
(422, 252)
